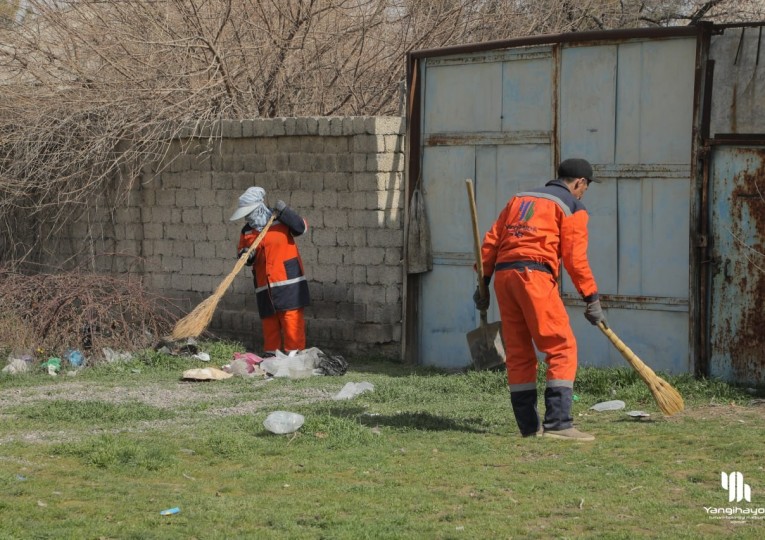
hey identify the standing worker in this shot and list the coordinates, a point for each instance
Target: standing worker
(281, 289)
(533, 233)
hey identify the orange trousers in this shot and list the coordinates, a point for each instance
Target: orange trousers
(533, 313)
(289, 325)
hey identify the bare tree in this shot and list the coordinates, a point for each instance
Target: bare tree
(93, 90)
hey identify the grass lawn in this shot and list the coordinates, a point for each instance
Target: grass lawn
(427, 454)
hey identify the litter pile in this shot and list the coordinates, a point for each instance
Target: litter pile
(295, 365)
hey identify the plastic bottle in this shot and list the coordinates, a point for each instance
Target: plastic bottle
(281, 422)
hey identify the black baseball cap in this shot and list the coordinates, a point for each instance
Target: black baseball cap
(576, 168)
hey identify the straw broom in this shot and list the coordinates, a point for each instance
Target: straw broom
(667, 398)
(197, 320)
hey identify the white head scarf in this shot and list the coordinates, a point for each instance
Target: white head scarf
(253, 208)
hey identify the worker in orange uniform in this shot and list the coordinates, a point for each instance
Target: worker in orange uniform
(533, 233)
(281, 289)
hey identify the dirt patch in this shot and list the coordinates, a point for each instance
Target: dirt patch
(735, 413)
(156, 395)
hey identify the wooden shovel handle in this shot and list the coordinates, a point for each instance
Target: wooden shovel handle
(476, 239)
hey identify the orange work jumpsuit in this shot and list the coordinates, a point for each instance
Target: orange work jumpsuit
(281, 288)
(523, 249)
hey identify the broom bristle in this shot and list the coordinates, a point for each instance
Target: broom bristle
(195, 322)
(667, 398)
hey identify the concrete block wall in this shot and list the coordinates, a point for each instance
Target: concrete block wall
(344, 175)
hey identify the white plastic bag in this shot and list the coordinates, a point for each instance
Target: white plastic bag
(351, 390)
(294, 365)
(281, 422)
(614, 405)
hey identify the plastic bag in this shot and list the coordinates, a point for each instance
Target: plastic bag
(351, 390)
(281, 422)
(295, 365)
(614, 405)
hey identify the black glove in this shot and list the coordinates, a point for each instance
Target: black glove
(279, 207)
(594, 313)
(481, 303)
(250, 259)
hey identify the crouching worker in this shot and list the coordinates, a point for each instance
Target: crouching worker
(281, 288)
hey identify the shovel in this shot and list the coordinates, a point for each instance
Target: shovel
(485, 342)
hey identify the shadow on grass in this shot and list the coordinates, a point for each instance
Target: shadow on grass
(424, 421)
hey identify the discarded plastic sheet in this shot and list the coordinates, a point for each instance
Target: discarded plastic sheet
(16, 366)
(52, 365)
(614, 405)
(294, 365)
(206, 374)
(638, 415)
(352, 389)
(170, 511)
(74, 357)
(112, 356)
(281, 422)
(203, 356)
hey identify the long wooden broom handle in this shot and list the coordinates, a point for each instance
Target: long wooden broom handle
(260, 236)
(476, 244)
(618, 343)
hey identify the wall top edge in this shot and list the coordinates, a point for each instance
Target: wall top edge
(329, 126)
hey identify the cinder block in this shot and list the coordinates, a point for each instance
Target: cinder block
(166, 197)
(278, 162)
(324, 273)
(322, 126)
(385, 238)
(152, 231)
(339, 182)
(336, 126)
(290, 126)
(192, 216)
(345, 162)
(331, 255)
(374, 333)
(384, 125)
(359, 125)
(301, 162)
(393, 294)
(289, 145)
(360, 163)
(336, 219)
(385, 162)
(220, 232)
(336, 145)
(254, 163)
(368, 144)
(300, 201)
(395, 255)
(204, 250)
(325, 199)
(384, 275)
(367, 256)
(172, 264)
(324, 237)
(231, 128)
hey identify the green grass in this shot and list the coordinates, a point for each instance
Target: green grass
(427, 454)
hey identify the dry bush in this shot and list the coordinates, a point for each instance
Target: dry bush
(94, 90)
(80, 311)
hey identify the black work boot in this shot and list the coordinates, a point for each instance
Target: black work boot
(558, 401)
(524, 404)
(559, 424)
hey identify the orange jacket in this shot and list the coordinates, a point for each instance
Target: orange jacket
(280, 282)
(545, 225)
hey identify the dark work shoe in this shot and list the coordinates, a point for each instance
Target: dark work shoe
(571, 434)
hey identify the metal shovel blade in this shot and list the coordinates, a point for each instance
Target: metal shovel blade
(486, 347)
